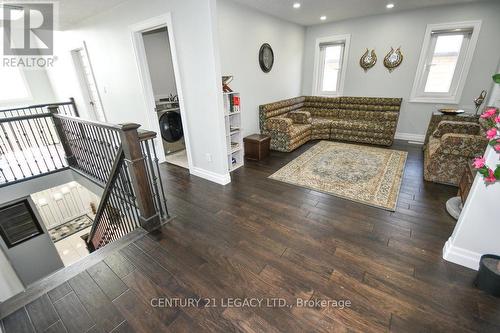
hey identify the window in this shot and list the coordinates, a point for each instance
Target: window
(330, 65)
(13, 86)
(444, 62)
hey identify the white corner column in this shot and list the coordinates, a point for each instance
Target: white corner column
(477, 231)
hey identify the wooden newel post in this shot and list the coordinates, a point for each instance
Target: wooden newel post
(75, 109)
(70, 157)
(149, 217)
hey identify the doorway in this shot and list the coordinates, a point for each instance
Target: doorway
(156, 56)
(88, 84)
(161, 71)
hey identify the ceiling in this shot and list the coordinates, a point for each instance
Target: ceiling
(74, 11)
(336, 10)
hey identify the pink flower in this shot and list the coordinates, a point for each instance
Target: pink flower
(491, 133)
(489, 113)
(479, 162)
(497, 119)
(491, 177)
(497, 147)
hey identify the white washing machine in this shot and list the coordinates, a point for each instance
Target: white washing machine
(171, 131)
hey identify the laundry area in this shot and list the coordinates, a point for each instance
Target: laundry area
(167, 108)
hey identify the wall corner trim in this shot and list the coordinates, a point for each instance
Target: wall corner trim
(461, 256)
(222, 179)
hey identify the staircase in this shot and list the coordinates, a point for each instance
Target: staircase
(121, 159)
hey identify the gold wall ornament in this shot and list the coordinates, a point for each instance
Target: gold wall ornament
(368, 60)
(393, 59)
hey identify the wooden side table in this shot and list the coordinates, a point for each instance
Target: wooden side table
(257, 146)
(466, 181)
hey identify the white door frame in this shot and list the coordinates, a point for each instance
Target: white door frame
(84, 84)
(137, 29)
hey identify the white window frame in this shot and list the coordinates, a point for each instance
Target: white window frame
(29, 96)
(418, 95)
(319, 64)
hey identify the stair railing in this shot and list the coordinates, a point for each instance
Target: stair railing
(42, 139)
(29, 143)
(125, 164)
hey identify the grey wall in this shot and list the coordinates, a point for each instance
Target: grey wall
(10, 284)
(242, 31)
(33, 259)
(160, 63)
(23, 189)
(407, 29)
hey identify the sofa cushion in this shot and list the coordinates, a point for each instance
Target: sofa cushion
(322, 123)
(371, 103)
(299, 129)
(322, 112)
(433, 145)
(299, 117)
(359, 125)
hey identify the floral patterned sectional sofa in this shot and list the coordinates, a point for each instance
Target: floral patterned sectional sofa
(293, 122)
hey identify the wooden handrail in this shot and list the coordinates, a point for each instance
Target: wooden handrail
(146, 135)
(90, 122)
(36, 106)
(27, 117)
(105, 195)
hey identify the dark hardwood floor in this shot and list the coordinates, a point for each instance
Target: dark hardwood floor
(259, 238)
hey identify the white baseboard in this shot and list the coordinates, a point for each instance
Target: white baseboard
(417, 138)
(211, 176)
(461, 256)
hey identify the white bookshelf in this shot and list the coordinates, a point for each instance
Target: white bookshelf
(234, 135)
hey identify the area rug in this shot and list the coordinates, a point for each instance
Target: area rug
(364, 174)
(69, 228)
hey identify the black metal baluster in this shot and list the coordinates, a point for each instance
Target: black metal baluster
(93, 154)
(73, 142)
(109, 158)
(39, 148)
(94, 144)
(13, 153)
(159, 177)
(5, 150)
(152, 176)
(54, 142)
(45, 140)
(18, 141)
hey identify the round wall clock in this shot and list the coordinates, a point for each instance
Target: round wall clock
(266, 58)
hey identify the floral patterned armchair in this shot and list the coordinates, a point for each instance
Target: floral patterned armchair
(450, 148)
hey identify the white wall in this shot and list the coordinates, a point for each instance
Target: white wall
(477, 229)
(109, 42)
(40, 88)
(160, 64)
(406, 29)
(242, 31)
